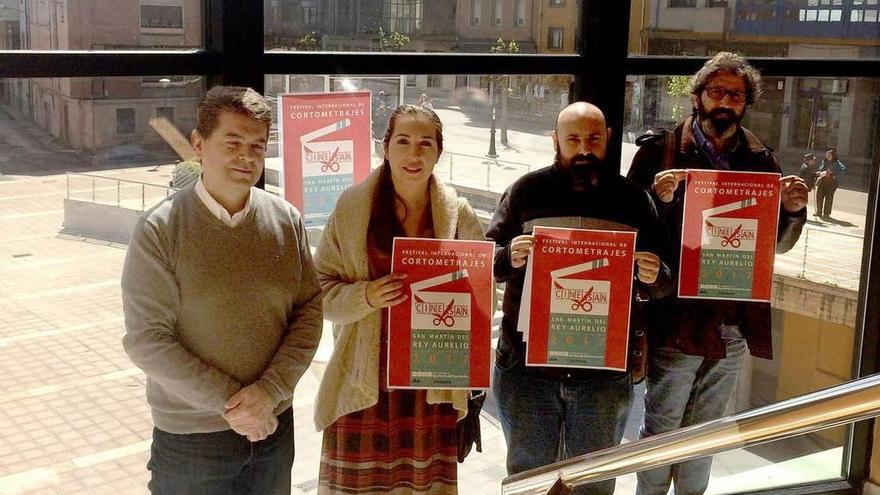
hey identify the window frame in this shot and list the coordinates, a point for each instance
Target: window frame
(519, 21)
(475, 13)
(551, 39)
(126, 113)
(233, 53)
(163, 28)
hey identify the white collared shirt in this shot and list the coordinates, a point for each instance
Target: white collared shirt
(217, 209)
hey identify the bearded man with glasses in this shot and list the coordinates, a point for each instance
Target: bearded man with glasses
(697, 347)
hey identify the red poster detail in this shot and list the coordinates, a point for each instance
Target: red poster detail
(576, 299)
(728, 237)
(325, 148)
(441, 335)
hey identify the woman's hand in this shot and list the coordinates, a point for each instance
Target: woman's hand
(386, 291)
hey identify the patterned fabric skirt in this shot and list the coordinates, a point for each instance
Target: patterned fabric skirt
(400, 445)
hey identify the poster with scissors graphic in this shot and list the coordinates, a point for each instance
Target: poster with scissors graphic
(728, 236)
(325, 148)
(576, 298)
(441, 336)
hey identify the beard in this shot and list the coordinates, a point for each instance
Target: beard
(585, 171)
(720, 123)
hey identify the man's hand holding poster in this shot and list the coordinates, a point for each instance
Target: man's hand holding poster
(441, 336)
(576, 298)
(728, 237)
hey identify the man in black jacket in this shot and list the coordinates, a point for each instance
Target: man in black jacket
(545, 412)
(697, 347)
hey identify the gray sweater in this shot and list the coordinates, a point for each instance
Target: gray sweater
(211, 308)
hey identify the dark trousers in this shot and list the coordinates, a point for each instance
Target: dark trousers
(546, 421)
(825, 197)
(222, 463)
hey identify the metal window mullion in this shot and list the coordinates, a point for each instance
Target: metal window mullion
(27, 64)
(416, 63)
(779, 67)
(866, 360)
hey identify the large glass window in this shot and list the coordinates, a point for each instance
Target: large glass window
(74, 411)
(79, 163)
(496, 128)
(441, 26)
(100, 25)
(817, 283)
(404, 16)
(73, 418)
(757, 28)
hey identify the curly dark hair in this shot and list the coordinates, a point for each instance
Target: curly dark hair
(728, 62)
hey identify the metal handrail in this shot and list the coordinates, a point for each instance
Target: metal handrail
(143, 185)
(835, 406)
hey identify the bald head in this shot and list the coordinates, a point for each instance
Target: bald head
(581, 138)
(580, 110)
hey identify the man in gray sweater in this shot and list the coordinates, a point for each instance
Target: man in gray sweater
(222, 313)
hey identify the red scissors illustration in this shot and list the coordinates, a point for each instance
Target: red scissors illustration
(732, 240)
(332, 164)
(444, 317)
(583, 303)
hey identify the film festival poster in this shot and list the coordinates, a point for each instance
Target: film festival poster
(441, 336)
(325, 148)
(577, 298)
(728, 236)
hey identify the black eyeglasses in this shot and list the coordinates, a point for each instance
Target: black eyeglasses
(717, 94)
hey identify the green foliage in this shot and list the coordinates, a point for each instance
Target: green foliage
(501, 47)
(308, 42)
(393, 42)
(186, 173)
(678, 86)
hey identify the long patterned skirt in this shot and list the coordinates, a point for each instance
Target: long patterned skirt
(401, 445)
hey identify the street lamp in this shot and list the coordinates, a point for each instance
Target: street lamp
(492, 153)
(165, 83)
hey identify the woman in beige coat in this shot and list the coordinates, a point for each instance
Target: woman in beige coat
(377, 440)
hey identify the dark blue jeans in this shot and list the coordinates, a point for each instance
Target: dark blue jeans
(546, 420)
(222, 463)
(684, 390)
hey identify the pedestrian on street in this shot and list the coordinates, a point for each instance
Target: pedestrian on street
(831, 172)
(697, 347)
(808, 173)
(425, 101)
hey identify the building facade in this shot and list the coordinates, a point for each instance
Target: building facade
(94, 114)
(797, 115)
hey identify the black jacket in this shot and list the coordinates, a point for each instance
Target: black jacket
(545, 198)
(692, 325)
